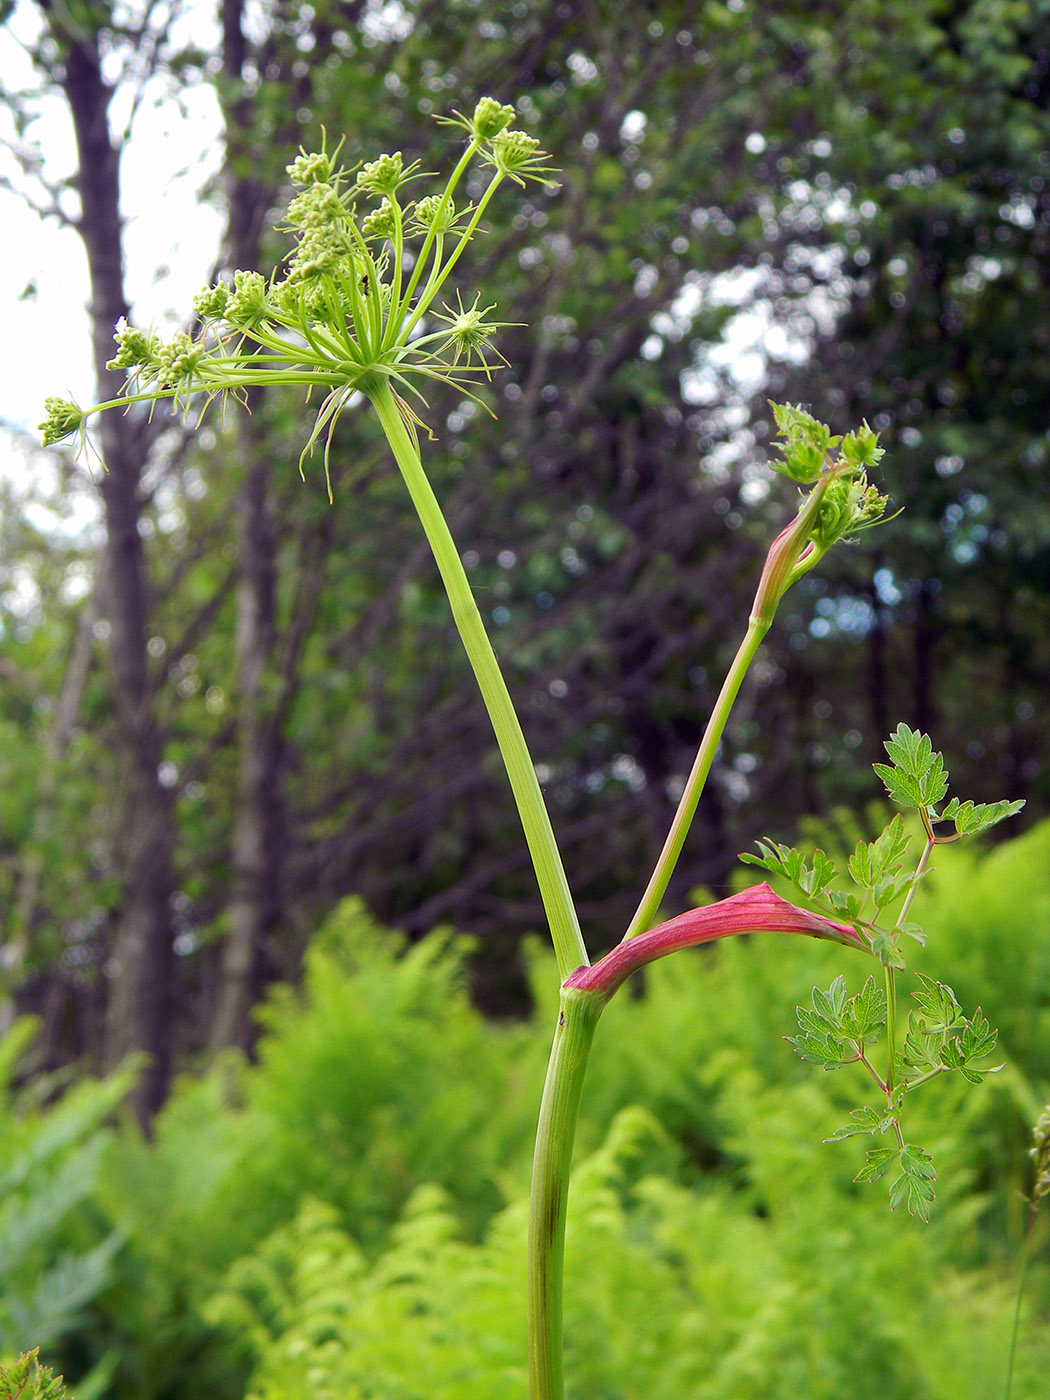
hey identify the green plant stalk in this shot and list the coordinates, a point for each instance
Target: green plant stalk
(583, 997)
(539, 835)
(890, 979)
(555, 1136)
(891, 985)
(645, 915)
(793, 553)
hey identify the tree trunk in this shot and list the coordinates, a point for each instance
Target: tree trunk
(140, 966)
(923, 638)
(257, 838)
(256, 844)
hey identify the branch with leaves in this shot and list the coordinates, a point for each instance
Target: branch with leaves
(836, 1030)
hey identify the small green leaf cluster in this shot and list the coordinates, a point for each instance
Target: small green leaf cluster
(916, 777)
(913, 1184)
(26, 1379)
(808, 445)
(940, 1038)
(837, 1028)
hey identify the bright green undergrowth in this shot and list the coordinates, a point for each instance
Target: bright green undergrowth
(346, 1217)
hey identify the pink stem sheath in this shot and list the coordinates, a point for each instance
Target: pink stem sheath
(754, 910)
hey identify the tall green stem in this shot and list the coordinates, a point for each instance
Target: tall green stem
(550, 873)
(555, 1136)
(645, 915)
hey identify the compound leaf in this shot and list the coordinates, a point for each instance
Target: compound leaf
(879, 1160)
(972, 817)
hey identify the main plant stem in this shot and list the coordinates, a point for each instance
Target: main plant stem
(539, 835)
(555, 1136)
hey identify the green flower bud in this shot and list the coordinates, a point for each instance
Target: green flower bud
(434, 210)
(177, 361)
(490, 118)
(247, 307)
(835, 514)
(63, 419)
(134, 348)
(871, 506)
(317, 207)
(381, 222)
(382, 175)
(310, 168)
(517, 155)
(320, 217)
(511, 148)
(210, 304)
(849, 504)
(313, 258)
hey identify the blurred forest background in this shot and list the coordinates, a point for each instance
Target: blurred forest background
(235, 705)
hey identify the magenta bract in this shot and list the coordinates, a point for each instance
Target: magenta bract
(754, 910)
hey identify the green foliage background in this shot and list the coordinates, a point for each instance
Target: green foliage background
(346, 1217)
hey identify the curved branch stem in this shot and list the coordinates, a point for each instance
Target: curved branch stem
(539, 834)
(705, 756)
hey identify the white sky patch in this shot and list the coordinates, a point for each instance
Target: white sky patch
(172, 235)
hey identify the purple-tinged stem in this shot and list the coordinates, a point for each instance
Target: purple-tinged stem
(753, 910)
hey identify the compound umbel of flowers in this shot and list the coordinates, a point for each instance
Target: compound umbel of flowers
(353, 308)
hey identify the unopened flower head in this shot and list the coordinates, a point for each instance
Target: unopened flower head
(490, 118)
(839, 504)
(434, 211)
(62, 420)
(517, 155)
(309, 168)
(247, 308)
(849, 504)
(135, 349)
(381, 222)
(384, 175)
(177, 362)
(210, 303)
(315, 167)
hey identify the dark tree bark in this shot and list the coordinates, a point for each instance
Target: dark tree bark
(258, 842)
(140, 965)
(923, 639)
(257, 853)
